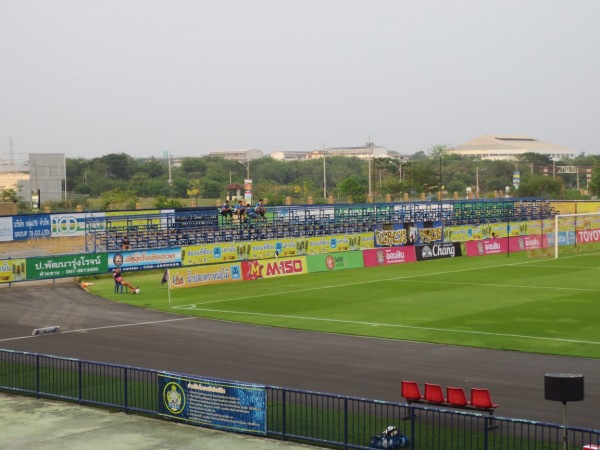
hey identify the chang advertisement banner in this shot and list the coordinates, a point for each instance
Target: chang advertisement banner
(438, 251)
(217, 404)
(145, 259)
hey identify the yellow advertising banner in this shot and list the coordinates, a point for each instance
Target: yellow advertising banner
(274, 248)
(12, 270)
(189, 277)
(131, 219)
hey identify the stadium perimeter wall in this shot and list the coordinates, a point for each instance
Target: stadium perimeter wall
(228, 262)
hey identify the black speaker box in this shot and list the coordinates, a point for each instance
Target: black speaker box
(563, 387)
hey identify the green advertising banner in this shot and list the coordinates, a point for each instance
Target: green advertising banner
(335, 261)
(66, 266)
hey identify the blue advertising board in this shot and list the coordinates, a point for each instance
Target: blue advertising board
(31, 227)
(145, 259)
(218, 404)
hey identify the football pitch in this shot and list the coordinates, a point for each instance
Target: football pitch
(517, 303)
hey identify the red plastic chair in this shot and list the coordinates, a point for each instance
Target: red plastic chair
(434, 393)
(411, 391)
(456, 396)
(481, 398)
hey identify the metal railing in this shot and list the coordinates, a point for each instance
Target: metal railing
(316, 418)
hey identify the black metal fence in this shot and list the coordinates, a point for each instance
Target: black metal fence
(327, 420)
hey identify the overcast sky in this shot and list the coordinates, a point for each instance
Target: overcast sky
(87, 77)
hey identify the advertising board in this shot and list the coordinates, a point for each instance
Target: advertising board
(217, 404)
(188, 277)
(6, 229)
(334, 261)
(385, 256)
(259, 269)
(12, 270)
(145, 259)
(66, 266)
(31, 227)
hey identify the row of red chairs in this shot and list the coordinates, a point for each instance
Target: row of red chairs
(455, 396)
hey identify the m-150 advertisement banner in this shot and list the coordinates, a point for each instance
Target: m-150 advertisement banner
(408, 233)
(274, 248)
(217, 404)
(438, 251)
(145, 259)
(334, 261)
(385, 256)
(504, 245)
(196, 276)
(66, 266)
(259, 269)
(12, 270)
(31, 227)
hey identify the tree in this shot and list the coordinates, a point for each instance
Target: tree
(193, 189)
(9, 195)
(539, 185)
(355, 187)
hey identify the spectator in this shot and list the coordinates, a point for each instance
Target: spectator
(226, 210)
(260, 208)
(120, 281)
(240, 210)
(125, 245)
(251, 212)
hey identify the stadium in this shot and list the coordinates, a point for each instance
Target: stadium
(348, 300)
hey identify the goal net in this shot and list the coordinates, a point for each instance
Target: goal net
(575, 233)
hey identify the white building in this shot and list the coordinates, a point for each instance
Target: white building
(290, 155)
(506, 147)
(238, 155)
(375, 151)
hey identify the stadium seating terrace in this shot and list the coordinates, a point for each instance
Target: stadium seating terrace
(205, 225)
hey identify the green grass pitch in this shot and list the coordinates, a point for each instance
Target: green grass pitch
(536, 305)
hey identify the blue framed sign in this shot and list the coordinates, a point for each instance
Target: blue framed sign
(217, 404)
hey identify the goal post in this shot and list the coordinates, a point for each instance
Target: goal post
(576, 232)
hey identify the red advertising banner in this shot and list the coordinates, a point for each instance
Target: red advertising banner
(392, 255)
(257, 269)
(486, 247)
(503, 245)
(587, 236)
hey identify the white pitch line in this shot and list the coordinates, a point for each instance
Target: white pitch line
(106, 327)
(520, 286)
(412, 327)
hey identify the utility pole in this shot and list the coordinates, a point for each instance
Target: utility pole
(324, 175)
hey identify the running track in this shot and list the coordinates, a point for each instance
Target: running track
(96, 329)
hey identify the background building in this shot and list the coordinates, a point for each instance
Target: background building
(48, 173)
(238, 155)
(500, 147)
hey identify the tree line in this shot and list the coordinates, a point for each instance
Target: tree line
(118, 177)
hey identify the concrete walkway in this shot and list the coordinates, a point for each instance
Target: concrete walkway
(27, 423)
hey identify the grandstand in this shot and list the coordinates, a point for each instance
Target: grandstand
(205, 225)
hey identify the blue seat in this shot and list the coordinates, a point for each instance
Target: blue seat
(118, 288)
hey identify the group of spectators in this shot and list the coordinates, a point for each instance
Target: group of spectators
(243, 212)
